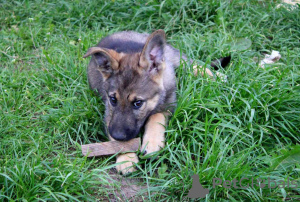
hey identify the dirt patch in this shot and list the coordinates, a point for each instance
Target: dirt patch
(126, 188)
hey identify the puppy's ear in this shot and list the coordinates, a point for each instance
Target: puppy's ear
(152, 56)
(106, 60)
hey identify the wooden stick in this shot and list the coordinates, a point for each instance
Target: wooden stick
(110, 148)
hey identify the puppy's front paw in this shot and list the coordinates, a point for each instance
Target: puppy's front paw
(126, 167)
(152, 145)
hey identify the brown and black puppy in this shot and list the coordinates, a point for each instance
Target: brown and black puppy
(134, 74)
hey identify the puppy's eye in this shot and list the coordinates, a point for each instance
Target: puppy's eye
(113, 101)
(137, 104)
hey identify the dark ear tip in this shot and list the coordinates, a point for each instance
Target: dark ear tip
(160, 31)
(86, 55)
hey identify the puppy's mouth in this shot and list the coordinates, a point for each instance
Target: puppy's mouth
(123, 139)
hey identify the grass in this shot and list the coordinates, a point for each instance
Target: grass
(247, 127)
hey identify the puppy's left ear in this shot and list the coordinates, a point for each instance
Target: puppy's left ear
(106, 60)
(153, 54)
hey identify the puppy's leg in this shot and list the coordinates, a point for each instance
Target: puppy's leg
(207, 71)
(223, 62)
(129, 160)
(154, 137)
(201, 69)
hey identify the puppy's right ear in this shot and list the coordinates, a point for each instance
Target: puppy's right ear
(104, 59)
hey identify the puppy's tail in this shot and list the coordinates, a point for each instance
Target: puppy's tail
(222, 62)
(216, 64)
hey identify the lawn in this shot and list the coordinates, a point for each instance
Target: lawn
(247, 127)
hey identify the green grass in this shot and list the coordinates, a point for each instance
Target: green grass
(247, 127)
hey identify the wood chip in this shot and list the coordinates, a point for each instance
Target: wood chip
(110, 148)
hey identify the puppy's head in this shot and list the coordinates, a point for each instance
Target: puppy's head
(133, 84)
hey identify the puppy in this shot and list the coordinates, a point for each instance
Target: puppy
(134, 73)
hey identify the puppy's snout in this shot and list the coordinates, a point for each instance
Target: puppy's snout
(118, 135)
(121, 134)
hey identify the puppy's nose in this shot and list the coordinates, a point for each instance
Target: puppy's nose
(118, 135)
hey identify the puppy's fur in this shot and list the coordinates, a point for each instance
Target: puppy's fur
(134, 74)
